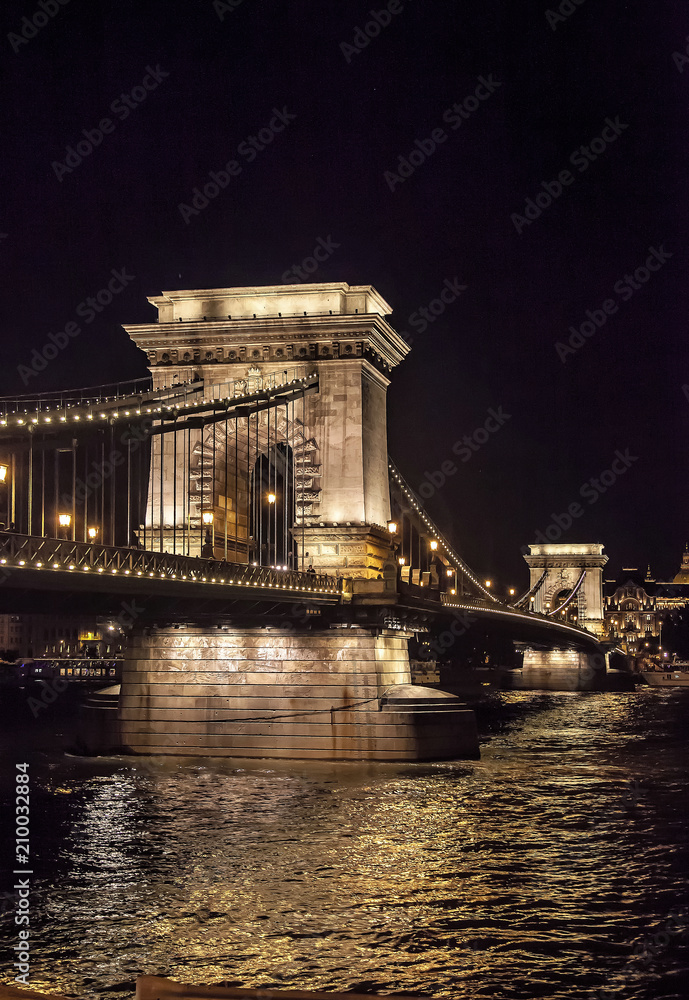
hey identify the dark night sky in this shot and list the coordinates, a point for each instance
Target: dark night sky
(323, 176)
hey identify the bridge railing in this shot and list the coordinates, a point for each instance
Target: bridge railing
(35, 552)
(75, 397)
(179, 393)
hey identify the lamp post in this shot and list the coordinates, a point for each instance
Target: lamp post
(4, 469)
(272, 499)
(93, 534)
(64, 521)
(396, 541)
(208, 547)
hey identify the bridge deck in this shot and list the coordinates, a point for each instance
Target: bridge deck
(21, 555)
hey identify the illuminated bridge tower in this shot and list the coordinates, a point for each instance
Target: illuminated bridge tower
(567, 583)
(573, 582)
(328, 455)
(295, 682)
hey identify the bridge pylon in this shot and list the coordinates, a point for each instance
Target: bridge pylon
(308, 481)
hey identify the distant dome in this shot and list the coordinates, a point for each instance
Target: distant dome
(683, 575)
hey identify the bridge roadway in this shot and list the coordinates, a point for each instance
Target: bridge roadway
(102, 579)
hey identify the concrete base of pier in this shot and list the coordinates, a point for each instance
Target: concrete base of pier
(337, 694)
(559, 670)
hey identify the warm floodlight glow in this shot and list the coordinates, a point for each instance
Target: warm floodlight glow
(434, 544)
(449, 572)
(511, 591)
(207, 517)
(271, 498)
(488, 583)
(93, 533)
(392, 527)
(64, 520)
(401, 560)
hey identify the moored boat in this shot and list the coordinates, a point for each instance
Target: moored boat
(666, 678)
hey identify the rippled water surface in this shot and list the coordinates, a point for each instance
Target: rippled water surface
(554, 867)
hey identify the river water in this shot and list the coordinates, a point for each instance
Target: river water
(555, 866)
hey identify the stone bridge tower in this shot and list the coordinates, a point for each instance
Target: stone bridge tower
(563, 564)
(230, 335)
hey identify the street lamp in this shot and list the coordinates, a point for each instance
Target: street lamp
(64, 521)
(512, 591)
(488, 583)
(392, 527)
(401, 560)
(93, 534)
(434, 544)
(209, 541)
(4, 469)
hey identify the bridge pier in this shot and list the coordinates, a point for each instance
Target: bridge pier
(560, 670)
(342, 693)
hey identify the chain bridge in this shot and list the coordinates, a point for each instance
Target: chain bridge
(243, 502)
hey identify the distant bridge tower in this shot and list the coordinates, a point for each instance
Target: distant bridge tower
(563, 565)
(567, 583)
(331, 460)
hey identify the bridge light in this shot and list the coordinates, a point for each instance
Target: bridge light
(511, 591)
(488, 583)
(401, 560)
(434, 544)
(271, 498)
(449, 572)
(3, 473)
(93, 533)
(207, 517)
(392, 527)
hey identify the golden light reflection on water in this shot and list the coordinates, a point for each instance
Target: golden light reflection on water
(526, 873)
